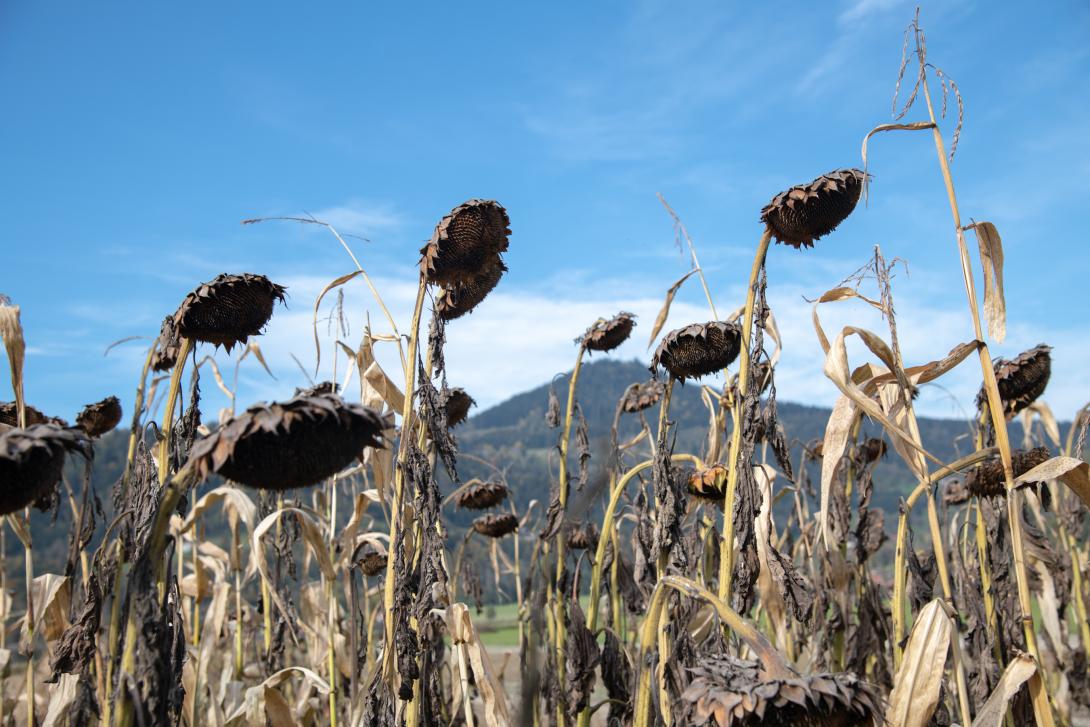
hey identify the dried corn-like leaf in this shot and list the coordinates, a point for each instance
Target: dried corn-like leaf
(918, 683)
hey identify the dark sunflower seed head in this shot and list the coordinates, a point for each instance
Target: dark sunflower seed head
(1020, 380)
(465, 241)
(9, 416)
(806, 212)
(31, 462)
(372, 561)
(584, 537)
(731, 692)
(456, 403)
(698, 349)
(606, 335)
(638, 397)
(496, 525)
(101, 417)
(168, 346)
(468, 291)
(296, 443)
(987, 479)
(228, 309)
(481, 495)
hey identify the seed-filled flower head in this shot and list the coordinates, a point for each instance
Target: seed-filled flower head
(465, 242)
(31, 461)
(802, 214)
(372, 560)
(698, 349)
(456, 403)
(481, 495)
(496, 526)
(583, 538)
(730, 692)
(228, 310)
(101, 417)
(638, 397)
(987, 480)
(168, 346)
(296, 443)
(463, 296)
(708, 483)
(1020, 380)
(9, 415)
(606, 335)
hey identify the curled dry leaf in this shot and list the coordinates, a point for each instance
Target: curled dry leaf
(918, 684)
(664, 312)
(991, 258)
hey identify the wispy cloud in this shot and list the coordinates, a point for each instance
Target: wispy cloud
(359, 217)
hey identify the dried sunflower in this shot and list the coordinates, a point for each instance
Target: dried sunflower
(481, 495)
(872, 450)
(101, 417)
(467, 293)
(496, 526)
(322, 387)
(168, 348)
(296, 443)
(987, 479)
(802, 214)
(9, 415)
(638, 397)
(583, 538)
(372, 561)
(1021, 379)
(31, 461)
(228, 309)
(606, 335)
(465, 242)
(708, 483)
(698, 349)
(456, 403)
(730, 692)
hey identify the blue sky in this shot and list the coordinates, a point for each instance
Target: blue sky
(137, 136)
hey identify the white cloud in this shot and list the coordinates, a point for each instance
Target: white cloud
(358, 217)
(518, 340)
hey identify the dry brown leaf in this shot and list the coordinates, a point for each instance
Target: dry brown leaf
(252, 711)
(491, 691)
(664, 312)
(52, 597)
(318, 301)
(914, 126)
(1072, 472)
(918, 682)
(277, 709)
(62, 696)
(837, 431)
(991, 258)
(11, 330)
(1018, 671)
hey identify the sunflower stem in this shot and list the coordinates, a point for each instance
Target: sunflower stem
(726, 553)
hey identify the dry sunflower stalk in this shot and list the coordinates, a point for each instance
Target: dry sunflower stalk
(802, 214)
(698, 349)
(296, 443)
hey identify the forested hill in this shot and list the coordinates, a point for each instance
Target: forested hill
(515, 437)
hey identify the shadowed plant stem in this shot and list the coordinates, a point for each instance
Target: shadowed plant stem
(726, 553)
(1041, 708)
(168, 415)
